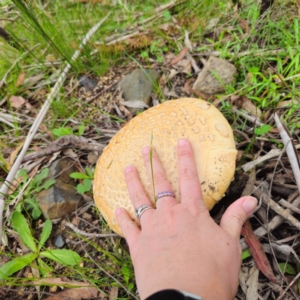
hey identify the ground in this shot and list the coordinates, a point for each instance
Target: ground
(176, 39)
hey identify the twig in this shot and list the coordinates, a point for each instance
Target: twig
(277, 208)
(290, 149)
(94, 235)
(289, 286)
(271, 154)
(273, 224)
(289, 206)
(64, 142)
(253, 120)
(35, 126)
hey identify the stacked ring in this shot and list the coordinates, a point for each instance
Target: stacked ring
(165, 194)
(139, 211)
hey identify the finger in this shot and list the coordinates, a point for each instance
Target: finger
(157, 174)
(137, 192)
(236, 215)
(189, 184)
(129, 228)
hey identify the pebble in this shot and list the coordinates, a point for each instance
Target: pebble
(59, 241)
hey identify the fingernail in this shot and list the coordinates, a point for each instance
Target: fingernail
(249, 204)
(118, 211)
(182, 142)
(146, 150)
(128, 169)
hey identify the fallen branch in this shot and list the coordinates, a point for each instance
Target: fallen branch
(271, 154)
(68, 141)
(289, 206)
(93, 235)
(35, 126)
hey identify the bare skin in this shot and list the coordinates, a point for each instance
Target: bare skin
(179, 246)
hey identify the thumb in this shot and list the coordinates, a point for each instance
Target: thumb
(236, 215)
(129, 228)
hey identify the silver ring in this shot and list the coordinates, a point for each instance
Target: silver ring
(165, 194)
(139, 211)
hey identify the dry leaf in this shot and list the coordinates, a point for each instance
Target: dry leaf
(21, 78)
(242, 102)
(113, 295)
(17, 101)
(76, 294)
(14, 154)
(180, 56)
(257, 251)
(298, 4)
(244, 25)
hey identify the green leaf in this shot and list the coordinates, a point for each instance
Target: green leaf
(33, 204)
(287, 269)
(81, 189)
(246, 254)
(78, 175)
(81, 129)
(40, 177)
(89, 172)
(45, 233)
(44, 268)
(23, 173)
(87, 184)
(262, 130)
(62, 131)
(63, 256)
(16, 265)
(20, 224)
(46, 185)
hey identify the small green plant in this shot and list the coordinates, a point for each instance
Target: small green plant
(87, 178)
(37, 184)
(63, 131)
(63, 256)
(262, 129)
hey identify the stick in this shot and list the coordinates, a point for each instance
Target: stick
(64, 142)
(277, 208)
(81, 232)
(35, 126)
(271, 154)
(290, 149)
(273, 224)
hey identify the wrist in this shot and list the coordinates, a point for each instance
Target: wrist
(171, 294)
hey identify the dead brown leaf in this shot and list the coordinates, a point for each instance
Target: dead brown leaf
(180, 56)
(257, 251)
(113, 295)
(298, 4)
(242, 102)
(21, 78)
(14, 154)
(244, 25)
(17, 101)
(76, 293)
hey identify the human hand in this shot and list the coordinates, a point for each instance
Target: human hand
(179, 246)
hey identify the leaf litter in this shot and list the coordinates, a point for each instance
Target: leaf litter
(260, 148)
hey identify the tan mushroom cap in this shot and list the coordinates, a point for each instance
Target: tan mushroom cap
(200, 122)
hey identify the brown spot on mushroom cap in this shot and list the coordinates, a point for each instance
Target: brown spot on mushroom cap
(212, 143)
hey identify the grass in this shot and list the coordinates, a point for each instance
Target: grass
(46, 34)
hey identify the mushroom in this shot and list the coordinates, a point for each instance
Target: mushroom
(161, 127)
